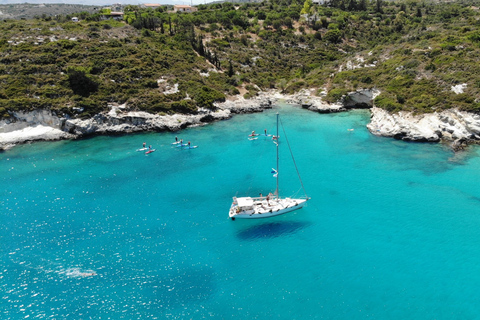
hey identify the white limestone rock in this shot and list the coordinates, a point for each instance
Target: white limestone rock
(239, 104)
(459, 88)
(32, 133)
(360, 98)
(449, 125)
(31, 126)
(44, 125)
(308, 100)
(140, 121)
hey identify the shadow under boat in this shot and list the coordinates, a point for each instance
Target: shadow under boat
(271, 230)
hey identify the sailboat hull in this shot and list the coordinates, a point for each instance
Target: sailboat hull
(265, 209)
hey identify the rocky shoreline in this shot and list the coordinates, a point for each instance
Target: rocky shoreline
(44, 125)
(454, 127)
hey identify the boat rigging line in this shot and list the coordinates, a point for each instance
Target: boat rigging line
(293, 158)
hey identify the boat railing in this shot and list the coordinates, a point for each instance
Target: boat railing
(271, 197)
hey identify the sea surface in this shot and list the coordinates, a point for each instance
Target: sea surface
(93, 229)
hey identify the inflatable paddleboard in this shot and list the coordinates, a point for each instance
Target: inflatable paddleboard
(182, 145)
(150, 151)
(176, 142)
(143, 149)
(191, 147)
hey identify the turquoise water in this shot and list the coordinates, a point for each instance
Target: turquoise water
(392, 230)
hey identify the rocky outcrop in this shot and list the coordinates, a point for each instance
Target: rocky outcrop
(31, 126)
(362, 98)
(453, 126)
(307, 100)
(127, 122)
(46, 125)
(239, 104)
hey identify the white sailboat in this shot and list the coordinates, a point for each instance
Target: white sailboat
(266, 206)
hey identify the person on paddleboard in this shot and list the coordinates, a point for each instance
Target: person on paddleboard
(189, 143)
(144, 144)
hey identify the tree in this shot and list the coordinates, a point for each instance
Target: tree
(277, 24)
(288, 22)
(306, 7)
(334, 36)
(282, 84)
(352, 5)
(419, 12)
(81, 82)
(362, 5)
(378, 6)
(200, 47)
(230, 69)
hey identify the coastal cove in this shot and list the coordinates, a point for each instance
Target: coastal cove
(456, 128)
(92, 229)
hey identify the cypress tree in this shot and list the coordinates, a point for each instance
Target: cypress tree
(230, 69)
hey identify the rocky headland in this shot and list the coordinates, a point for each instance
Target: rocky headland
(454, 127)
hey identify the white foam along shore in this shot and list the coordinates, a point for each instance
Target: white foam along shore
(452, 126)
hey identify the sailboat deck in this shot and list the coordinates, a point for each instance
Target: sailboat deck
(247, 207)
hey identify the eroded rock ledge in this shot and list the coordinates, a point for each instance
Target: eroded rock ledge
(452, 126)
(457, 128)
(46, 125)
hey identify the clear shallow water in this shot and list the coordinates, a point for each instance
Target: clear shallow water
(391, 232)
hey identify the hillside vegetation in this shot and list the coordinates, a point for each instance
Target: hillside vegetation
(163, 62)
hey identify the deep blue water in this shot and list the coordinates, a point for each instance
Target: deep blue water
(392, 230)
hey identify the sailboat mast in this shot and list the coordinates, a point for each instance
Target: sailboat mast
(276, 142)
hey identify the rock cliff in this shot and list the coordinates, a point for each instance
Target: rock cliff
(452, 126)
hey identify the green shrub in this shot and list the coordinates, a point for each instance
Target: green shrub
(336, 95)
(81, 82)
(184, 106)
(333, 36)
(387, 103)
(205, 97)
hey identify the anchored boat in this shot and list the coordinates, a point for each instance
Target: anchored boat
(270, 205)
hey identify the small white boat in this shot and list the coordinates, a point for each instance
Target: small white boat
(268, 206)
